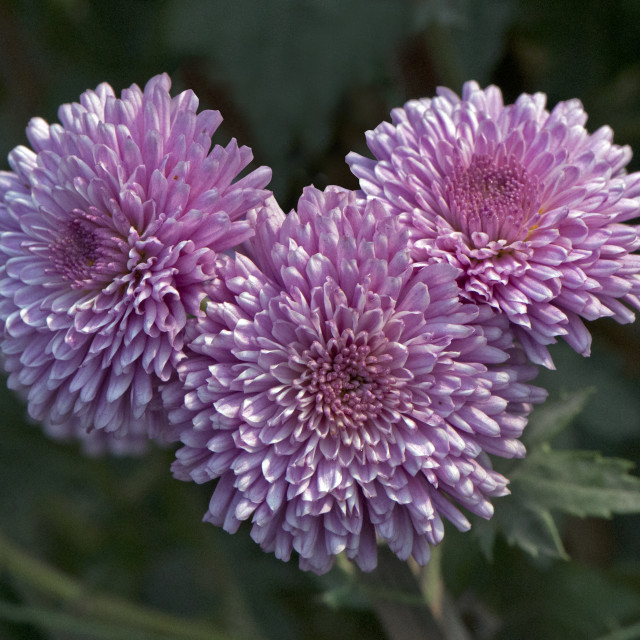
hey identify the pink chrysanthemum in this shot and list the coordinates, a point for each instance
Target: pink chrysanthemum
(528, 204)
(109, 227)
(342, 395)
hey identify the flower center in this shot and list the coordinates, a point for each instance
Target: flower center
(77, 253)
(497, 199)
(344, 382)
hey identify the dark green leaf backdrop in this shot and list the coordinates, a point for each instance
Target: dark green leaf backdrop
(300, 81)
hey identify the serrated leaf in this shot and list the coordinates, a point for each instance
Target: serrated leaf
(534, 531)
(549, 419)
(530, 528)
(581, 483)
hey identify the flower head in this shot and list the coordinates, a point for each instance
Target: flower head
(524, 201)
(340, 394)
(109, 227)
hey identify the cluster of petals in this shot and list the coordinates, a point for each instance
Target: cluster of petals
(345, 374)
(341, 394)
(531, 207)
(110, 224)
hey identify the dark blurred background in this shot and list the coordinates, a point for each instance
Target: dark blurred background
(300, 81)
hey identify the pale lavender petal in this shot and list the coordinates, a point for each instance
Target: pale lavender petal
(512, 194)
(340, 405)
(111, 229)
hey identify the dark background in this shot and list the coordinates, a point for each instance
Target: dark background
(300, 81)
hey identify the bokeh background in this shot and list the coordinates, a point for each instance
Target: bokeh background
(300, 81)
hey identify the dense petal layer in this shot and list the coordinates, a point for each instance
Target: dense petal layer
(111, 224)
(340, 393)
(530, 207)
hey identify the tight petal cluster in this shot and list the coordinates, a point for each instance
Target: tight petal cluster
(524, 201)
(342, 395)
(110, 224)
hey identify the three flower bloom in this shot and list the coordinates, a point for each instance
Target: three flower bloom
(345, 372)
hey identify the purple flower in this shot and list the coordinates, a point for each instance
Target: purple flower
(528, 204)
(342, 395)
(109, 227)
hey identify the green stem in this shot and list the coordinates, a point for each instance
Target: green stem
(398, 600)
(83, 603)
(412, 602)
(439, 599)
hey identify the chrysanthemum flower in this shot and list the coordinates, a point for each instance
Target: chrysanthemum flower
(109, 226)
(342, 395)
(528, 204)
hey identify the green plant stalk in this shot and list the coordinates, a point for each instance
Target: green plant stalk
(411, 602)
(75, 597)
(398, 600)
(430, 580)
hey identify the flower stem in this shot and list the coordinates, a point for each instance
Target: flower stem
(411, 601)
(398, 600)
(82, 603)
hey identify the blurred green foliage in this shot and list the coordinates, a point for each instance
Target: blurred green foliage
(300, 81)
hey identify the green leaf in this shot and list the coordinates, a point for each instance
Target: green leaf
(548, 420)
(581, 483)
(532, 529)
